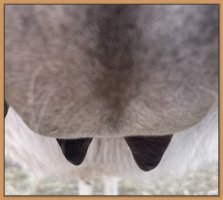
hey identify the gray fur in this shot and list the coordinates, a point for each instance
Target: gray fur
(76, 71)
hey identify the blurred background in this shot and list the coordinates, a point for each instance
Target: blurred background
(203, 181)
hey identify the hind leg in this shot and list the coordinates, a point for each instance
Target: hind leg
(6, 107)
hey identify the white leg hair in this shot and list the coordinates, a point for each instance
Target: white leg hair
(110, 184)
(40, 155)
(85, 187)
